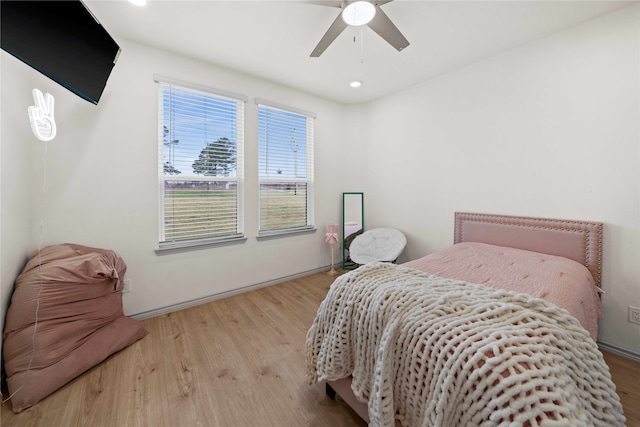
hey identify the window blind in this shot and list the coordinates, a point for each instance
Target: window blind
(200, 165)
(285, 163)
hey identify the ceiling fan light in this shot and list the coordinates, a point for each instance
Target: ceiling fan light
(358, 13)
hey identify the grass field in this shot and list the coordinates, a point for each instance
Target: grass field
(200, 212)
(283, 208)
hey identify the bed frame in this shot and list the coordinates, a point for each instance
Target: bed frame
(580, 241)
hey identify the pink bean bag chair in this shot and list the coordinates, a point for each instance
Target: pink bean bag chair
(79, 320)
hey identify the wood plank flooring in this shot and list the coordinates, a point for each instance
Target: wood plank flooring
(626, 375)
(234, 362)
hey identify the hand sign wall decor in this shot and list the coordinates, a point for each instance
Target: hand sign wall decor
(41, 116)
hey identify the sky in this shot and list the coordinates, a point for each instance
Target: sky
(192, 119)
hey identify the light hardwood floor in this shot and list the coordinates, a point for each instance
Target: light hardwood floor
(626, 376)
(233, 362)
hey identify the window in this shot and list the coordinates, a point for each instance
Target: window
(200, 165)
(285, 162)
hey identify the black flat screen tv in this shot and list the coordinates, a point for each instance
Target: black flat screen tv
(62, 40)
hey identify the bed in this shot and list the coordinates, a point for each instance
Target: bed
(465, 336)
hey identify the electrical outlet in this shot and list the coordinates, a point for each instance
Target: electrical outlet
(127, 286)
(634, 314)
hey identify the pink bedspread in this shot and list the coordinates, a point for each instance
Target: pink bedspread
(559, 280)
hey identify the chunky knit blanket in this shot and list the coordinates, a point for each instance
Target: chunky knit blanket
(430, 351)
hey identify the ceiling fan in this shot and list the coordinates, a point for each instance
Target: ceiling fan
(356, 13)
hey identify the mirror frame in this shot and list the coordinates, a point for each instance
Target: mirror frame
(347, 264)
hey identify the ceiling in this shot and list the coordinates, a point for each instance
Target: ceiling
(273, 39)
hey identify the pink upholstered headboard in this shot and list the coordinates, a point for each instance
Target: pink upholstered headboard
(580, 241)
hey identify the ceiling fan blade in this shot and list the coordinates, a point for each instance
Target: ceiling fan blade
(381, 2)
(330, 3)
(382, 25)
(332, 33)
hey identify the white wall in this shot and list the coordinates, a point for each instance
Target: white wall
(17, 165)
(549, 129)
(102, 181)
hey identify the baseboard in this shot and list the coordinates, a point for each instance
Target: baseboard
(619, 351)
(193, 303)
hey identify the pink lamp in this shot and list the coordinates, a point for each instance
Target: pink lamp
(331, 237)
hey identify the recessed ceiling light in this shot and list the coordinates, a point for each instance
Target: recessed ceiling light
(138, 2)
(356, 83)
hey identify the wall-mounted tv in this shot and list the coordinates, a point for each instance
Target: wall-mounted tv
(62, 40)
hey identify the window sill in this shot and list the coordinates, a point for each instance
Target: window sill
(166, 248)
(264, 235)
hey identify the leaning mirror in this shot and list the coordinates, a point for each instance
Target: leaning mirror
(352, 224)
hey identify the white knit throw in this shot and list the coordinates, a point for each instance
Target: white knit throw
(430, 351)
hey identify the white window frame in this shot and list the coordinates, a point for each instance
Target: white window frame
(308, 180)
(165, 246)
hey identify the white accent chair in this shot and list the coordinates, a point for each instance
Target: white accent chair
(379, 244)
